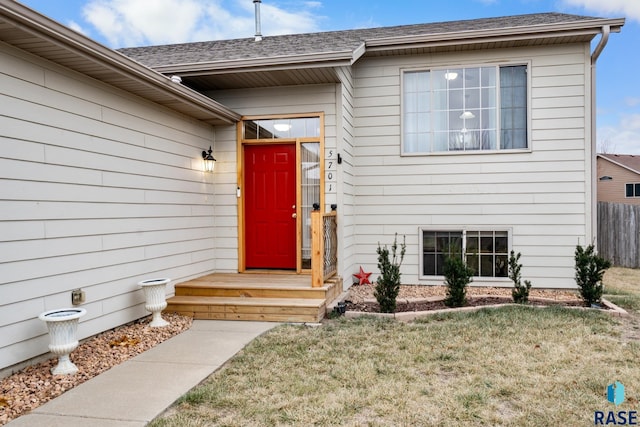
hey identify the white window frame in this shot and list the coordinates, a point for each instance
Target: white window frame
(635, 196)
(463, 230)
(528, 149)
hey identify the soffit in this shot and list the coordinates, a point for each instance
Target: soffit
(34, 33)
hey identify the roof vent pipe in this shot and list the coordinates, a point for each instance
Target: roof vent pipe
(258, 32)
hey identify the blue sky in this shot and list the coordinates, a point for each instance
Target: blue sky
(123, 23)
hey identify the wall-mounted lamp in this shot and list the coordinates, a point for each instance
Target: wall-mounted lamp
(605, 178)
(209, 161)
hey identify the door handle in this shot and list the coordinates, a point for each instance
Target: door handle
(294, 215)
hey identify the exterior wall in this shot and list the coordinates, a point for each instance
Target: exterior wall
(540, 195)
(346, 177)
(614, 190)
(257, 102)
(99, 190)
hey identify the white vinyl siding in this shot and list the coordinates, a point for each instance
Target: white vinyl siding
(540, 194)
(345, 182)
(99, 190)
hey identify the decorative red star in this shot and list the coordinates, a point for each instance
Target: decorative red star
(363, 278)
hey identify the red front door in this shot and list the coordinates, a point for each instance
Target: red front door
(270, 199)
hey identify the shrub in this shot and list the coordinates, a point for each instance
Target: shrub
(520, 292)
(388, 284)
(589, 271)
(456, 276)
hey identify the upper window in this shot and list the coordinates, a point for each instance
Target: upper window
(632, 190)
(303, 127)
(465, 109)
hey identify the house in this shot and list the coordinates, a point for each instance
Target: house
(618, 178)
(476, 136)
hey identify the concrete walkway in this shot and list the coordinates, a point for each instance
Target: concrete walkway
(138, 390)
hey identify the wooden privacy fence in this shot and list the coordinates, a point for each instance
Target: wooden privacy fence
(619, 233)
(324, 247)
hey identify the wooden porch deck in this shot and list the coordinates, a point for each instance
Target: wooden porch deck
(254, 296)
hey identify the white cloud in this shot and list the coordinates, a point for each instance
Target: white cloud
(76, 27)
(631, 122)
(623, 136)
(632, 102)
(313, 4)
(141, 22)
(616, 8)
(279, 21)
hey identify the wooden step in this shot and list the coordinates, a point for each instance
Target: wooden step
(212, 289)
(254, 286)
(239, 308)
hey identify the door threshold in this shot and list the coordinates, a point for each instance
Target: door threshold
(270, 271)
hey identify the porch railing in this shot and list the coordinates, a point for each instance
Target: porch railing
(324, 247)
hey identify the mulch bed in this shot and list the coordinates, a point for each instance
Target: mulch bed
(374, 307)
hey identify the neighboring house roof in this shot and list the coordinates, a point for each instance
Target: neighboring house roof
(627, 161)
(315, 51)
(32, 32)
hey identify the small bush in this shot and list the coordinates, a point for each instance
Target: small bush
(589, 271)
(456, 277)
(388, 284)
(520, 292)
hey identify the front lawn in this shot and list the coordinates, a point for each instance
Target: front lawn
(511, 366)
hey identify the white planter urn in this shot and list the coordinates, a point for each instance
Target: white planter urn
(63, 331)
(155, 301)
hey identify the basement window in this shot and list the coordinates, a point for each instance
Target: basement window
(486, 252)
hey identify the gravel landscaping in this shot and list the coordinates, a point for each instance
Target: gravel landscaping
(34, 385)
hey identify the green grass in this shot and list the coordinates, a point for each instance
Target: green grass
(514, 366)
(622, 287)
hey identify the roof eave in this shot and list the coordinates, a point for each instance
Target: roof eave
(283, 62)
(47, 29)
(589, 28)
(533, 32)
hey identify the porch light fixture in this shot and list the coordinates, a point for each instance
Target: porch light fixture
(605, 178)
(209, 161)
(282, 127)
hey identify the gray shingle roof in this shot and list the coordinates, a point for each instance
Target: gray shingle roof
(325, 42)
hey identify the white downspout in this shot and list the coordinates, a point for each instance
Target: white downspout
(606, 30)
